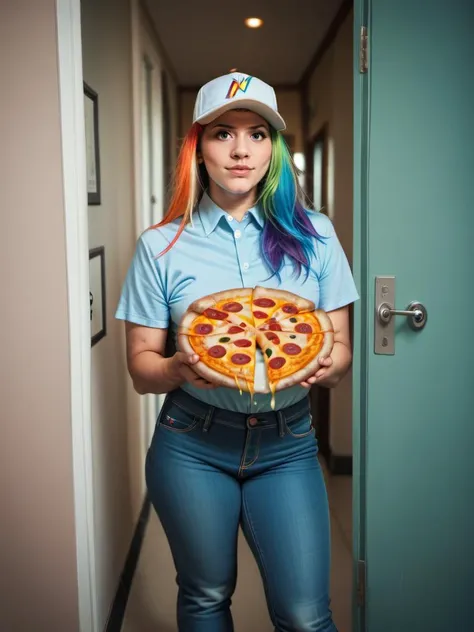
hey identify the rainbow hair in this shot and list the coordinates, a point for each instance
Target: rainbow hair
(288, 231)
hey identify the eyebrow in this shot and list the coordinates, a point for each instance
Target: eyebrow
(226, 126)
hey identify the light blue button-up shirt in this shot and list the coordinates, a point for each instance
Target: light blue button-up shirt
(219, 253)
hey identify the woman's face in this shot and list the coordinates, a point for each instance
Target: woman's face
(236, 149)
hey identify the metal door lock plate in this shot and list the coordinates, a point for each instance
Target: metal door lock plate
(385, 313)
(384, 332)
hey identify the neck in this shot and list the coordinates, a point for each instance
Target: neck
(235, 205)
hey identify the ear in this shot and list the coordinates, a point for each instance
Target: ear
(200, 159)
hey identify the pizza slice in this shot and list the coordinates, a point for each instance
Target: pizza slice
(292, 357)
(232, 305)
(226, 360)
(270, 305)
(303, 323)
(194, 324)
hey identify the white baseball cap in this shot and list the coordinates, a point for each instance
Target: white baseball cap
(237, 90)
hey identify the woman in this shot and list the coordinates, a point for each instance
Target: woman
(219, 459)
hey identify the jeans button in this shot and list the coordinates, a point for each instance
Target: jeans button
(253, 421)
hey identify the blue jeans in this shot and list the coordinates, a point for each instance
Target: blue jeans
(208, 471)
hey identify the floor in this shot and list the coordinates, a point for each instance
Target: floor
(151, 605)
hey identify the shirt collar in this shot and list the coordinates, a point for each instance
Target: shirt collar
(210, 214)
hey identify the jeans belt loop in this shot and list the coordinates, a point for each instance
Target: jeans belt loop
(208, 419)
(281, 423)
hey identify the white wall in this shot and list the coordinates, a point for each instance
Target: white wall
(331, 103)
(38, 579)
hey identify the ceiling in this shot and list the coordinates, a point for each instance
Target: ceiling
(206, 38)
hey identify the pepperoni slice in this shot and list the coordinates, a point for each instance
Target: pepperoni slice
(203, 329)
(277, 363)
(304, 328)
(243, 342)
(233, 307)
(275, 327)
(240, 358)
(235, 330)
(258, 314)
(291, 349)
(264, 302)
(215, 314)
(273, 337)
(289, 308)
(218, 351)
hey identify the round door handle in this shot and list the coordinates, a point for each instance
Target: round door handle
(415, 312)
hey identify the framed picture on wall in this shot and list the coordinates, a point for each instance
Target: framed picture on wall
(91, 120)
(97, 294)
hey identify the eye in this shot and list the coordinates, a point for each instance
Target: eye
(223, 134)
(259, 135)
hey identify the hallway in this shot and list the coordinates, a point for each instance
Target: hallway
(151, 605)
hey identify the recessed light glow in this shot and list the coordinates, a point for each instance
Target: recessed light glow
(253, 23)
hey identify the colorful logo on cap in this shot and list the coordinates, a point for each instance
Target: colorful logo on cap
(235, 86)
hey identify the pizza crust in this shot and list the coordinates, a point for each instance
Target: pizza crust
(186, 322)
(202, 304)
(245, 292)
(324, 319)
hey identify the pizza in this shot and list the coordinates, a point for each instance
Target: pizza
(229, 330)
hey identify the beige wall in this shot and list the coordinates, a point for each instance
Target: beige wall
(331, 103)
(289, 104)
(38, 579)
(106, 44)
(118, 432)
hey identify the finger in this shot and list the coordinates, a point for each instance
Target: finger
(190, 359)
(186, 358)
(305, 384)
(325, 361)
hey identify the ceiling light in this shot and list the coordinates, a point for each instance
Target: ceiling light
(253, 23)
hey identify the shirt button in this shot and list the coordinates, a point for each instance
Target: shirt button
(237, 234)
(230, 218)
(245, 266)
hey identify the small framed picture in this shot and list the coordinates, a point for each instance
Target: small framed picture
(91, 120)
(97, 294)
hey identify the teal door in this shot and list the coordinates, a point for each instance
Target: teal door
(414, 408)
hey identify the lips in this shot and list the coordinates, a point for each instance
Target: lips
(239, 170)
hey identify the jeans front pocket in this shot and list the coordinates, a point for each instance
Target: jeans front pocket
(301, 427)
(176, 419)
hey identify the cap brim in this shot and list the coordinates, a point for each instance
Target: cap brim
(265, 112)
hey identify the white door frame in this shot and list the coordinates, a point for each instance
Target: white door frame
(68, 15)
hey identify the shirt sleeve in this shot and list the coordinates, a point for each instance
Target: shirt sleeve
(143, 300)
(336, 283)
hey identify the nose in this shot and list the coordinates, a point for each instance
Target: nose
(241, 148)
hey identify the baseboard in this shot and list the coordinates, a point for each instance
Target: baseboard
(117, 612)
(339, 465)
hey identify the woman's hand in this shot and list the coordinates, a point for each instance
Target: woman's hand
(183, 363)
(326, 375)
(333, 368)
